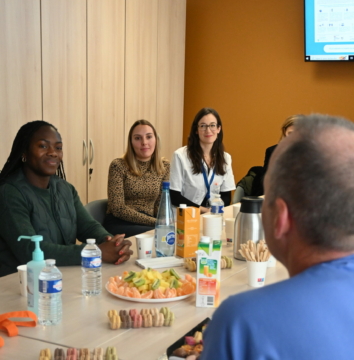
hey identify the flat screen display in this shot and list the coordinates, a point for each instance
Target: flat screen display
(329, 30)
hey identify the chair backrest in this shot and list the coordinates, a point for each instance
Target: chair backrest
(97, 209)
(252, 183)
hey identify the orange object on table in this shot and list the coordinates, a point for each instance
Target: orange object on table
(10, 326)
(188, 231)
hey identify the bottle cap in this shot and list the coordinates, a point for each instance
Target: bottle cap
(91, 241)
(251, 204)
(205, 239)
(182, 206)
(165, 185)
(50, 262)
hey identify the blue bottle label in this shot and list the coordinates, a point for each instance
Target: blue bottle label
(217, 209)
(50, 286)
(91, 262)
(170, 238)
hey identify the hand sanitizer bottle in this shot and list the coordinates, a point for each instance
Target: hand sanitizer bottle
(34, 267)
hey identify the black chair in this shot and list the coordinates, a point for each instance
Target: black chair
(97, 209)
(251, 184)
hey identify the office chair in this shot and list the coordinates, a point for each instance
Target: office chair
(97, 209)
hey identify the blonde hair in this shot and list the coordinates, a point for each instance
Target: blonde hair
(287, 123)
(129, 157)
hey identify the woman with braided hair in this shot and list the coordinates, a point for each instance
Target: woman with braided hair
(35, 199)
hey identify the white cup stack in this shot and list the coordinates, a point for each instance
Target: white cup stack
(144, 245)
(22, 274)
(236, 209)
(212, 226)
(229, 230)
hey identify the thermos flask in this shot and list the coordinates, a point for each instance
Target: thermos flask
(248, 223)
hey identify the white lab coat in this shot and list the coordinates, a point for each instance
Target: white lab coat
(192, 186)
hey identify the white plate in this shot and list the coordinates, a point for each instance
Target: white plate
(152, 301)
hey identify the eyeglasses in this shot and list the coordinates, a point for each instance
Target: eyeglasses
(204, 127)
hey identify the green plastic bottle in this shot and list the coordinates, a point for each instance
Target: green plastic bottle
(34, 267)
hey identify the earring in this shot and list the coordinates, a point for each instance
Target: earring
(23, 158)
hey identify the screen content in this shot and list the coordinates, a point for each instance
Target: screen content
(329, 30)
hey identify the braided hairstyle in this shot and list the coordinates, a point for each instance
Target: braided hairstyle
(21, 145)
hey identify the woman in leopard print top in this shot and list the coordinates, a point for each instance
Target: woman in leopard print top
(135, 181)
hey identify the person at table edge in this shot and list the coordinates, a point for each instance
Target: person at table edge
(135, 182)
(309, 227)
(36, 201)
(202, 168)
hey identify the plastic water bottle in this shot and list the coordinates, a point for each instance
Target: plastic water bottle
(50, 287)
(217, 205)
(165, 231)
(91, 260)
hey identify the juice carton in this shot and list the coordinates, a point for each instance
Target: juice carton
(208, 274)
(188, 231)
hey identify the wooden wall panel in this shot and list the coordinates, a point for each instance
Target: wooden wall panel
(64, 81)
(140, 61)
(20, 69)
(105, 76)
(170, 73)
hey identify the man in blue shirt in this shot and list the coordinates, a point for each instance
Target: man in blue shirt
(308, 221)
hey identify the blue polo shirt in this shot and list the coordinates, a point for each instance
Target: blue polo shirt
(309, 316)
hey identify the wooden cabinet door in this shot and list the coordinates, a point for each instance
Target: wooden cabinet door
(20, 69)
(92, 68)
(170, 73)
(105, 85)
(140, 62)
(155, 52)
(64, 82)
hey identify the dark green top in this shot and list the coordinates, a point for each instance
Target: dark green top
(56, 213)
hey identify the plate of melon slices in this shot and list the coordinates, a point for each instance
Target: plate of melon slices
(151, 286)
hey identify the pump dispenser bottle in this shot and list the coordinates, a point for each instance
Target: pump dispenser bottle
(34, 267)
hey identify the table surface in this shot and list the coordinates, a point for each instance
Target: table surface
(85, 322)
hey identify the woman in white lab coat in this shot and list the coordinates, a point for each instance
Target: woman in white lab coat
(202, 168)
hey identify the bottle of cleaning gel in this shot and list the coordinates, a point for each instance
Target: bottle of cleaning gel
(34, 267)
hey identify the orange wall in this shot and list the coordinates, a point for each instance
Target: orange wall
(245, 59)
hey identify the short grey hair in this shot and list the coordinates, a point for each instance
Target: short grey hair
(317, 186)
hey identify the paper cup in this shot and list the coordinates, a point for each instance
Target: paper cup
(229, 230)
(144, 243)
(256, 273)
(22, 275)
(272, 261)
(236, 209)
(212, 226)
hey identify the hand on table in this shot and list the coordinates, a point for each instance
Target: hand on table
(116, 249)
(204, 210)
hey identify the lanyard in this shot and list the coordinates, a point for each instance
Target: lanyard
(207, 184)
(10, 326)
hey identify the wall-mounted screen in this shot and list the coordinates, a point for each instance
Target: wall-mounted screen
(329, 30)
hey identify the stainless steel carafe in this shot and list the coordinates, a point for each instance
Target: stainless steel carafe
(248, 223)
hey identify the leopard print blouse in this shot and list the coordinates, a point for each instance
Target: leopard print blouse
(129, 194)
